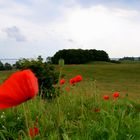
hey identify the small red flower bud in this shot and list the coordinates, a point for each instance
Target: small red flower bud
(62, 81)
(106, 97)
(116, 94)
(97, 110)
(33, 131)
(67, 89)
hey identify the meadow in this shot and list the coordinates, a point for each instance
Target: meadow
(81, 112)
(109, 77)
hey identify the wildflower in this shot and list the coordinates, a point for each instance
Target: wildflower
(116, 94)
(106, 97)
(67, 89)
(78, 78)
(62, 81)
(72, 81)
(18, 88)
(97, 110)
(33, 131)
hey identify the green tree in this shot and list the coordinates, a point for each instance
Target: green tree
(1, 66)
(7, 66)
(79, 56)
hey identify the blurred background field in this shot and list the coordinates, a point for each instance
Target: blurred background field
(107, 77)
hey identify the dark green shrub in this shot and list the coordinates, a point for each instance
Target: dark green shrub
(7, 66)
(46, 74)
(1, 66)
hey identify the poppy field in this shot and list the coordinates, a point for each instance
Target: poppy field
(98, 101)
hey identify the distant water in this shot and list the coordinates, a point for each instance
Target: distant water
(10, 61)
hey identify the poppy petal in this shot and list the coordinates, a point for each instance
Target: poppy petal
(19, 87)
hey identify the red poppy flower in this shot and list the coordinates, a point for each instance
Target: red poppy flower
(97, 110)
(78, 78)
(62, 81)
(116, 94)
(33, 131)
(67, 89)
(19, 87)
(106, 97)
(72, 81)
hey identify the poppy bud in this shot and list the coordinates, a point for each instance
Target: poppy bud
(116, 94)
(106, 97)
(62, 81)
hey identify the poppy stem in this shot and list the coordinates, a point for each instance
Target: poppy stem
(59, 115)
(95, 93)
(26, 121)
(82, 107)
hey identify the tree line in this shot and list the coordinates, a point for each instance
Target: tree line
(5, 66)
(79, 56)
(130, 59)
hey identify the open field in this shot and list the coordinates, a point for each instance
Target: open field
(109, 77)
(81, 112)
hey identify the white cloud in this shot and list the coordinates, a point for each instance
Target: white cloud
(114, 30)
(14, 33)
(104, 28)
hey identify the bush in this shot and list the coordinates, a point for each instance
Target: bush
(7, 66)
(46, 74)
(1, 66)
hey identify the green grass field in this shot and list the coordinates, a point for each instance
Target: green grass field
(81, 113)
(109, 77)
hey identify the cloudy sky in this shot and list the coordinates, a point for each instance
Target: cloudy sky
(29, 28)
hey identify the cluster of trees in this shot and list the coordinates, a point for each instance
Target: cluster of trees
(79, 56)
(5, 66)
(130, 58)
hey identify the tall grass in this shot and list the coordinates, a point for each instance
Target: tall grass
(75, 115)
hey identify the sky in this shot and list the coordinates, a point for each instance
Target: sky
(29, 28)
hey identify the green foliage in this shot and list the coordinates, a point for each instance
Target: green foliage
(5, 66)
(79, 56)
(128, 58)
(11, 121)
(1, 66)
(46, 74)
